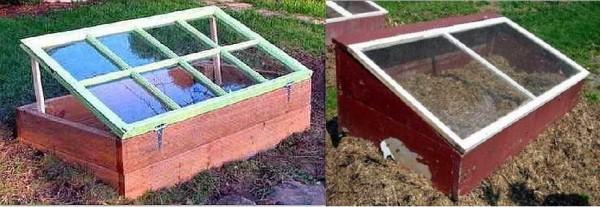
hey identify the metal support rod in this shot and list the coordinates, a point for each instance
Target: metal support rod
(217, 58)
(37, 85)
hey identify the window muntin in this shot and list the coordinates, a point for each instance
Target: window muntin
(179, 85)
(132, 69)
(81, 60)
(130, 101)
(468, 143)
(132, 48)
(344, 10)
(448, 82)
(232, 78)
(178, 40)
(226, 34)
(261, 62)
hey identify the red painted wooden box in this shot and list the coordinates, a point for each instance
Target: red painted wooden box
(136, 165)
(452, 98)
(352, 16)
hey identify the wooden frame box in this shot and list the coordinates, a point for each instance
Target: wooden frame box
(352, 16)
(158, 99)
(375, 104)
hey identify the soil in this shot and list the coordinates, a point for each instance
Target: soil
(457, 96)
(559, 168)
(7, 10)
(30, 176)
(534, 81)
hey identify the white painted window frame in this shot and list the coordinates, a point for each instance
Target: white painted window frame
(346, 15)
(473, 140)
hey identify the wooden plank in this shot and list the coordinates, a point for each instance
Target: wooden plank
(214, 103)
(142, 150)
(237, 146)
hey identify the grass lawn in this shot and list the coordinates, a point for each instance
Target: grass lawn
(314, 8)
(571, 27)
(31, 177)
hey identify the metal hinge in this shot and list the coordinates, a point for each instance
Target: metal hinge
(288, 88)
(159, 134)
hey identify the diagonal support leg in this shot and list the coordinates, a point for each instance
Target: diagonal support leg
(36, 76)
(217, 59)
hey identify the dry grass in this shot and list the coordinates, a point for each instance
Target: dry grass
(559, 167)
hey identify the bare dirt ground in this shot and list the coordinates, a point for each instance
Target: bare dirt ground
(559, 168)
(29, 176)
(8, 10)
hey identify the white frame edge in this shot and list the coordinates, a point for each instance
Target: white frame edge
(473, 140)
(346, 15)
(61, 38)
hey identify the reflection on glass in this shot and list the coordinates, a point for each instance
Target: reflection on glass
(226, 35)
(519, 57)
(458, 90)
(178, 85)
(81, 60)
(232, 79)
(178, 40)
(356, 7)
(128, 100)
(262, 62)
(132, 48)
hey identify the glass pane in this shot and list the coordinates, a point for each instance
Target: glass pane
(519, 57)
(262, 62)
(356, 7)
(132, 48)
(81, 60)
(232, 79)
(178, 40)
(460, 91)
(332, 13)
(128, 100)
(225, 34)
(180, 86)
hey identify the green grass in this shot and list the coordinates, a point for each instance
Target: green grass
(314, 8)
(410, 12)
(15, 80)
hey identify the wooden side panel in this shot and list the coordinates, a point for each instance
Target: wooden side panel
(142, 151)
(487, 157)
(359, 25)
(70, 141)
(239, 145)
(368, 109)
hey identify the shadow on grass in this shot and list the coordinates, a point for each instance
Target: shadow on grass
(523, 195)
(334, 132)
